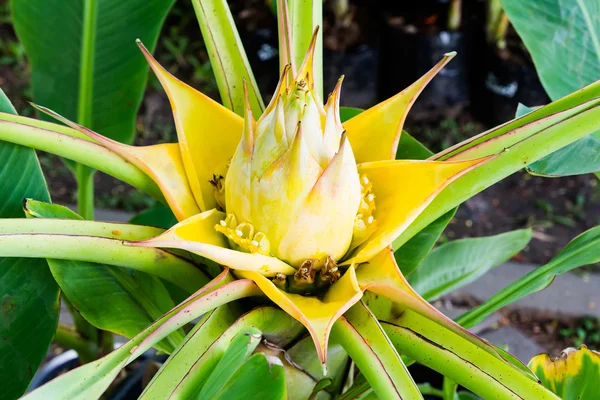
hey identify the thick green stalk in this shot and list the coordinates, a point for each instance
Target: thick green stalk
(447, 353)
(44, 137)
(227, 56)
(85, 191)
(427, 390)
(363, 338)
(449, 389)
(68, 337)
(85, 175)
(306, 16)
(104, 251)
(454, 15)
(50, 226)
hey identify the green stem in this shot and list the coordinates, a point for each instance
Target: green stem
(106, 343)
(105, 251)
(427, 390)
(454, 15)
(85, 177)
(66, 336)
(86, 66)
(305, 16)
(50, 226)
(85, 191)
(461, 361)
(43, 137)
(449, 389)
(494, 9)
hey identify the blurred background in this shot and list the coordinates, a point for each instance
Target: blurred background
(381, 47)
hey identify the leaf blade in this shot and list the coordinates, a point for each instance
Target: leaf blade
(29, 300)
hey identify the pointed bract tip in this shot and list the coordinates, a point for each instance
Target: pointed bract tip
(450, 54)
(315, 33)
(308, 63)
(143, 48)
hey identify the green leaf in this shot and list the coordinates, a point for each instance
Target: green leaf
(574, 375)
(567, 31)
(360, 390)
(460, 262)
(187, 370)
(41, 209)
(197, 342)
(240, 349)
(583, 250)
(28, 294)
(348, 112)
(410, 255)
(304, 353)
(89, 66)
(563, 38)
(580, 157)
(257, 379)
(91, 380)
(227, 56)
(115, 299)
(158, 215)
(410, 148)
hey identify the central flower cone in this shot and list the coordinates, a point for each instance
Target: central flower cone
(292, 189)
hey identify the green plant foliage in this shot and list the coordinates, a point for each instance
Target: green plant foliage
(227, 55)
(256, 379)
(110, 298)
(365, 341)
(52, 33)
(157, 215)
(348, 112)
(567, 31)
(27, 290)
(583, 250)
(580, 157)
(410, 255)
(460, 262)
(197, 343)
(241, 348)
(304, 354)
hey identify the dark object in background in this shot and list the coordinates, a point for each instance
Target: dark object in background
(359, 67)
(406, 55)
(504, 81)
(414, 39)
(506, 75)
